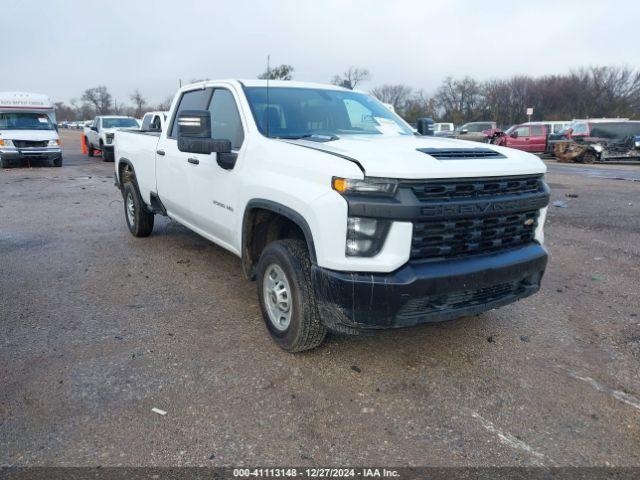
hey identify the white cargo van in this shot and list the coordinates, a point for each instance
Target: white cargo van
(28, 129)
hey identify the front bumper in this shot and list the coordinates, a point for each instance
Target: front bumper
(31, 154)
(427, 291)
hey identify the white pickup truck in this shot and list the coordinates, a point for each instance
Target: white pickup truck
(99, 135)
(345, 217)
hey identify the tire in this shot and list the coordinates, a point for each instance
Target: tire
(4, 163)
(89, 147)
(289, 260)
(139, 219)
(588, 157)
(57, 162)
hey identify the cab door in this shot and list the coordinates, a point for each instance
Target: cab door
(520, 138)
(538, 139)
(213, 183)
(173, 167)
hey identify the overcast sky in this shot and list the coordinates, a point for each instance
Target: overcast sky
(62, 47)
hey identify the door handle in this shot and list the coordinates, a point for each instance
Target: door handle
(160, 152)
(195, 161)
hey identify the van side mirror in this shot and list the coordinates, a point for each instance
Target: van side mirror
(514, 134)
(464, 131)
(194, 134)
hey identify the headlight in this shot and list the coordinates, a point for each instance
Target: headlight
(54, 143)
(368, 186)
(365, 236)
(6, 143)
(597, 148)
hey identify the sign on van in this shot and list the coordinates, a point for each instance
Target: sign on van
(23, 100)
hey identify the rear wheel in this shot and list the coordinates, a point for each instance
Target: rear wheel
(286, 296)
(139, 218)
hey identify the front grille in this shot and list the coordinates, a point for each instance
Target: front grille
(475, 215)
(460, 153)
(470, 236)
(30, 143)
(476, 188)
(417, 308)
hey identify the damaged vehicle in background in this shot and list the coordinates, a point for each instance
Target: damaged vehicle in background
(530, 136)
(476, 131)
(606, 141)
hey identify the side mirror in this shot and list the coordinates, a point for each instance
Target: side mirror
(425, 126)
(194, 134)
(514, 134)
(464, 131)
(94, 128)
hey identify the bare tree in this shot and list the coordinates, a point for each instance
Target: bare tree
(64, 112)
(165, 104)
(281, 72)
(139, 102)
(83, 111)
(352, 77)
(396, 95)
(99, 98)
(417, 106)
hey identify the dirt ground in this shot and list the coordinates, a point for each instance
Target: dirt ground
(98, 327)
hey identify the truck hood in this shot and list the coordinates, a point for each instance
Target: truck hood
(29, 134)
(399, 157)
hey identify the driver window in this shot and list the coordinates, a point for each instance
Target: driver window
(522, 131)
(225, 119)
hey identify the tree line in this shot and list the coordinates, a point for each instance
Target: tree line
(586, 92)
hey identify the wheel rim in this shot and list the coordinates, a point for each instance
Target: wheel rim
(277, 297)
(130, 209)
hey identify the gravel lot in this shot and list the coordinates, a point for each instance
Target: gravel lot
(99, 327)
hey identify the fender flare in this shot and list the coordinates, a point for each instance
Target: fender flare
(285, 211)
(122, 161)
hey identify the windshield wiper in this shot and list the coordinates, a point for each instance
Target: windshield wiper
(314, 137)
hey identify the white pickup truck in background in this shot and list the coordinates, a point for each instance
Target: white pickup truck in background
(346, 218)
(99, 135)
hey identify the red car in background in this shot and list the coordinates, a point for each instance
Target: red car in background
(530, 138)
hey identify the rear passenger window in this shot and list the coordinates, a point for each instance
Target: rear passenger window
(191, 100)
(225, 119)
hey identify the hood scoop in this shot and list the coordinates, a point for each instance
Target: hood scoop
(460, 153)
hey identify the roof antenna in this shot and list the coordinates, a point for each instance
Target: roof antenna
(268, 75)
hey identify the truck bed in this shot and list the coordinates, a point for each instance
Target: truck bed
(139, 148)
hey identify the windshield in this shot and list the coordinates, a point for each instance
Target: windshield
(25, 121)
(119, 122)
(303, 112)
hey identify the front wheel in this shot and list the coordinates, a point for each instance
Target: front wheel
(57, 162)
(139, 218)
(286, 296)
(589, 157)
(89, 147)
